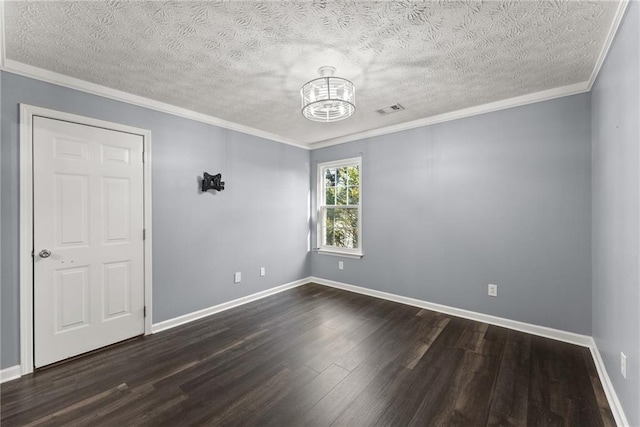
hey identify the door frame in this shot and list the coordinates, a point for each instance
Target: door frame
(27, 113)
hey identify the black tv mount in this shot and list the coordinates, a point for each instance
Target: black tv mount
(212, 182)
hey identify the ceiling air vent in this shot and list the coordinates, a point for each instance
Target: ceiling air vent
(390, 109)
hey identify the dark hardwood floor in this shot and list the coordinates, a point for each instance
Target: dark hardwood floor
(320, 356)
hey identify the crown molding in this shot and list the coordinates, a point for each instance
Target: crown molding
(26, 70)
(518, 101)
(613, 30)
(41, 74)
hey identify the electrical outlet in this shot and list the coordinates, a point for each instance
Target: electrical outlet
(340, 265)
(263, 271)
(493, 290)
(623, 364)
(237, 277)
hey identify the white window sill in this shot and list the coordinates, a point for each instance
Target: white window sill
(340, 254)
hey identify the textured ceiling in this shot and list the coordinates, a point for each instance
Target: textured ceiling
(245, 62)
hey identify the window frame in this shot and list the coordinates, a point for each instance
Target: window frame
(321, 205)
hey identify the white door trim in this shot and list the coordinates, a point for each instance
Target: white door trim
(27, 112)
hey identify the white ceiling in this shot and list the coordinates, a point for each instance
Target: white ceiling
(244, 62)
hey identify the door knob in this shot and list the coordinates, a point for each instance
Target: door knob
(45, 253)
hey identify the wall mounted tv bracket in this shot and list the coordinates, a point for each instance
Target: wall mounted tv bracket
(212, 182)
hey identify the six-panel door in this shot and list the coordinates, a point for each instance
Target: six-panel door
(88, 213)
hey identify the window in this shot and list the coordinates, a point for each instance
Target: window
(339, 207)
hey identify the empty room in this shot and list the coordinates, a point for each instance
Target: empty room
(320, 213)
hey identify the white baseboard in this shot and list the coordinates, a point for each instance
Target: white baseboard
(543, 331)
(612, 397)
(9, 374)
(13, 372)
(190, 317)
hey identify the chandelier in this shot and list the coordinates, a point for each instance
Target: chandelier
(328, 98)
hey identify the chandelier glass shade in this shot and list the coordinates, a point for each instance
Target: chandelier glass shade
(328, 98)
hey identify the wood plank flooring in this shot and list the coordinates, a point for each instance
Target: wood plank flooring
(318, 356)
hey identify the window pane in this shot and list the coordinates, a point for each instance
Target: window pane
(340, 239)
(328, 237)
(354, 176)
(353, 218)
(342, 176)
(329, 217)
(345, 238)
(339, 221)
(346, 218)
(341, 195)
(353, 194)
(341, 227)
(330, 196)
(330, 177)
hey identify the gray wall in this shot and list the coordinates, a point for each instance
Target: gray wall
(199, 240)
(499, 198)
(616, 212)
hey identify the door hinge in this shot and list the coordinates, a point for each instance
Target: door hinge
(143, 157)
(144, 311)
(144, 234)
(32, 253)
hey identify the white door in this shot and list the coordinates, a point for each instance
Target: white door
(88, 238)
